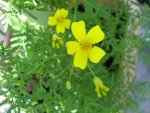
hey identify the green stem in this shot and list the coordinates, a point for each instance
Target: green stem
(63, 71)
(91, 71)
(71, 70)
(75, 9)
(46, 59)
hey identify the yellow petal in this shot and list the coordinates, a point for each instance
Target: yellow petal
(60, 28)
(104, 93)
(99, 94)
(61, 42)
(57, 45)
(78, 30)
(53, 44)
(57, 14)
(106, 88)
(72, 47)
(52, 21)
(63, 13)
(67, 23)
(97, 88)
(95, 35)
(80, 59)
(95, 54)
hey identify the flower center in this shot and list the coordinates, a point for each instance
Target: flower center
(86, 45)
(56, 41)
(60, 19)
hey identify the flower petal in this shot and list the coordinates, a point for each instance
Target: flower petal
(52, 21)
(57, 13)
(106, 88)
(60, 28)
(63, 13)
(72, 47)
(95, 54)
(67, 23)
(80, 59)
(95, 35)
(78, 30)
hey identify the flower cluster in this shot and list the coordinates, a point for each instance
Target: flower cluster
(61, 22)
(83, 48)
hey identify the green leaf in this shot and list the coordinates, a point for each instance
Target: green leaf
(2, 92)
(4, 102)
(11, 108)
(1, 32)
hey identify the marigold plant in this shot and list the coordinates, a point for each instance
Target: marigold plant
(68, 56)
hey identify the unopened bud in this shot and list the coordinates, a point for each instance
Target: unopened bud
(68, 85)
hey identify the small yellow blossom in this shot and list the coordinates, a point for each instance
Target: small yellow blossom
(100, 88)
(60, 20)
(84, 49)
(57, 41)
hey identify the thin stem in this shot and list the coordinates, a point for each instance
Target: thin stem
(75, 9)
(63, 71)
(71, 70)
(91, 71)
(46, 59)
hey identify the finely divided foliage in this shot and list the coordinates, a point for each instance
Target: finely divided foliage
(68, 57)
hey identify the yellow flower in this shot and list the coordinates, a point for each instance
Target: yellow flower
(60, 20)
(57, 41)
(84, 49)
(100, 88)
